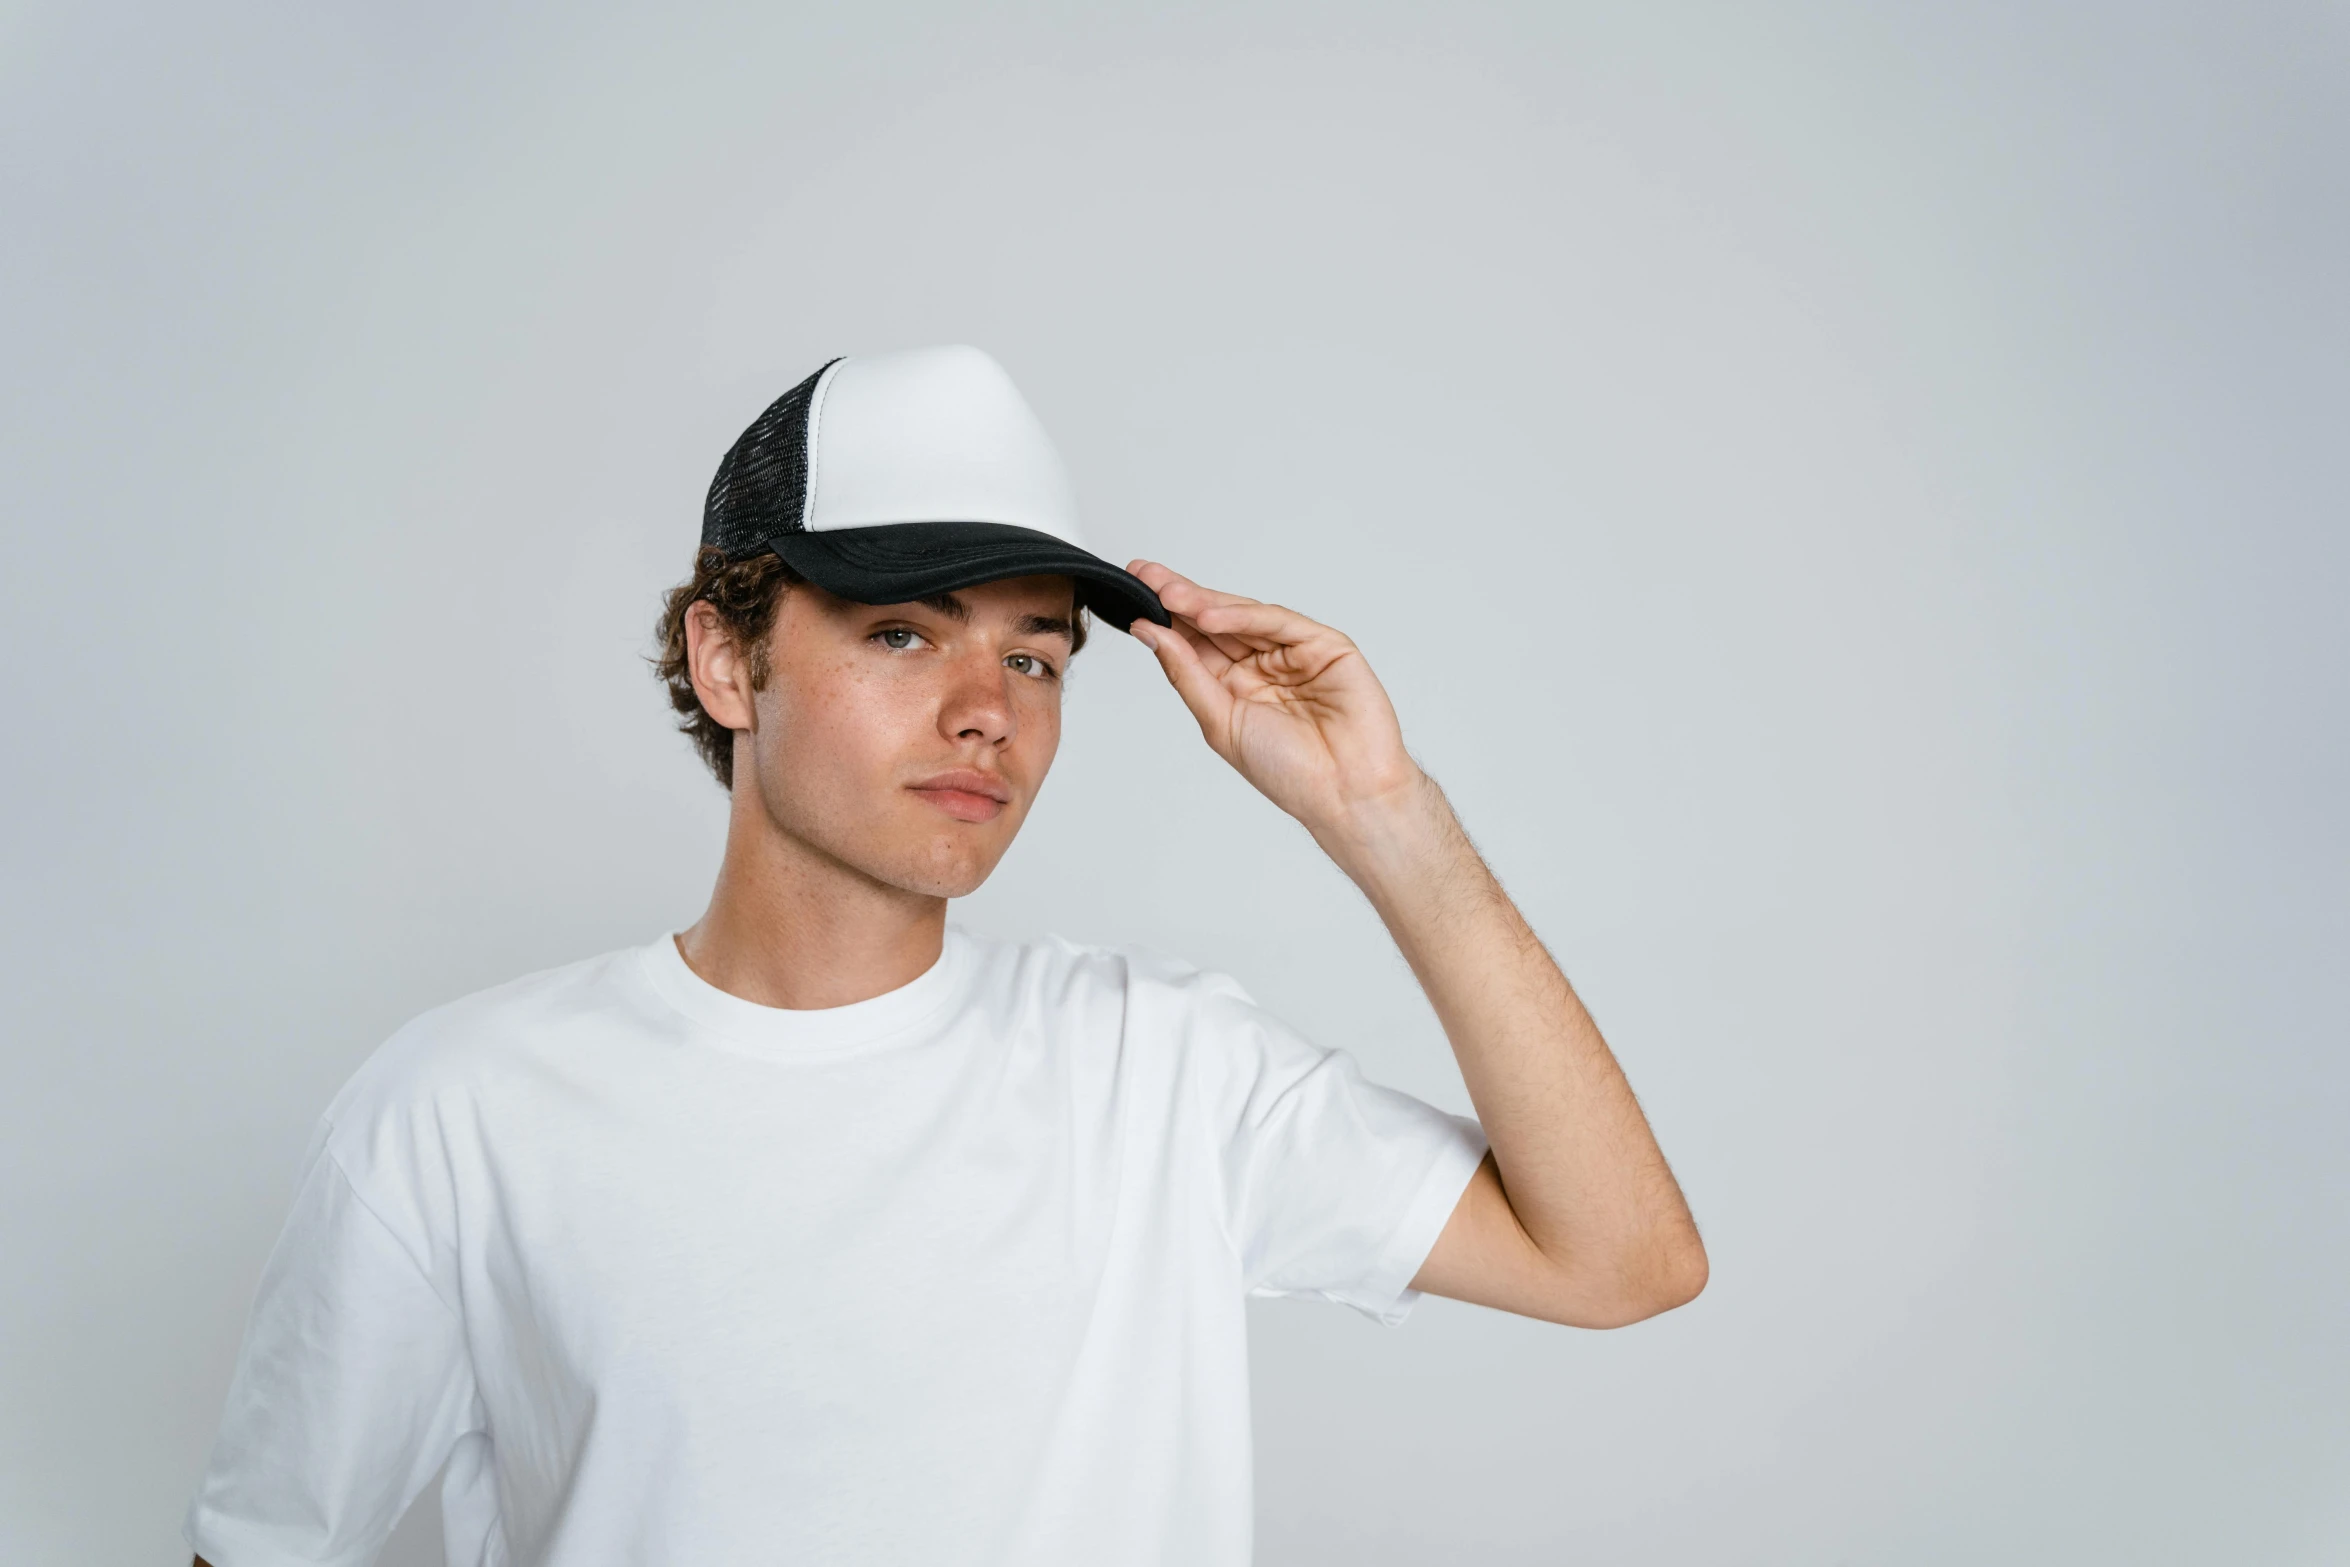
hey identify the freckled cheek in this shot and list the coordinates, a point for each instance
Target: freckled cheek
(844, 724)
(1040, 733)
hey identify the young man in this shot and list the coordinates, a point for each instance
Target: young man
(824, 1232)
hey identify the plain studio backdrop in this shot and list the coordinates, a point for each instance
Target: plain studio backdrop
(1850, 502)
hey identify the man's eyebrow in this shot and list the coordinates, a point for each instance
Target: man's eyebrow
(953, 607)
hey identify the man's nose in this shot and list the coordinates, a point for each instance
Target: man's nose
(978, 701)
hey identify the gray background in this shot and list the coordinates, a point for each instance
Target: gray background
(1849, 500)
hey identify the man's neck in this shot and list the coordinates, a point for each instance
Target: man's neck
(791, 926)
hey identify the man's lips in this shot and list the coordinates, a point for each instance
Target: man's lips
(965, 795)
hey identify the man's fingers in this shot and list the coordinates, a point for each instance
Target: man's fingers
(1187, 600)
(1180, 661)
(1261, 626)
(1178, 592)
(1282, 643)
(1223, 615)
(1225, 628)
(1214, 655)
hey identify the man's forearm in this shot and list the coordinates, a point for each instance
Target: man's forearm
(1584, 1223)
(1579, 1167)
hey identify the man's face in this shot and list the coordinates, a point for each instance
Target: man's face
(907, 741)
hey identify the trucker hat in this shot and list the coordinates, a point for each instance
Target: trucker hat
(887, 478)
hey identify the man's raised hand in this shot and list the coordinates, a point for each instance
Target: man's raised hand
(1575, 1217)
(1289, 702)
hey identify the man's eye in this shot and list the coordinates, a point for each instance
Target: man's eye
(897, 638)
(1029, 664)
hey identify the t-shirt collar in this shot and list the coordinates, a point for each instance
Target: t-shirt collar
(786, 1033)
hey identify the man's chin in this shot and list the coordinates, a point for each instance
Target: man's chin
(938, 886)
(907, 852)
(948, 870)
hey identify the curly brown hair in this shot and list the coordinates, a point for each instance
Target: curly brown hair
(746, 594)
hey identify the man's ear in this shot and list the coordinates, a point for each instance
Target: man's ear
(721, 673)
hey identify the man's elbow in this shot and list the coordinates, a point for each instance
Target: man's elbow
(1634, 1294)
(1680, 1281)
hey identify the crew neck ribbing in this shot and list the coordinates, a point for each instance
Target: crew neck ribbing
(784, 1033)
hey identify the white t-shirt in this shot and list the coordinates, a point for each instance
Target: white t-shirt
(952, 1275)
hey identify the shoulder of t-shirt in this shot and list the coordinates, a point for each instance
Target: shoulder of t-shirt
(1206, 1016)
(1134, 968)
(1200, 1025)
(459, 1040)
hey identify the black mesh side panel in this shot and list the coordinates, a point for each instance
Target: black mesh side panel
(762, 483)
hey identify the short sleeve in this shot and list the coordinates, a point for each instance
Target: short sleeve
(1334, 1187)
(351, 1389)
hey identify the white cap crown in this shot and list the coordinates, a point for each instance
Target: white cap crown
(931, 435)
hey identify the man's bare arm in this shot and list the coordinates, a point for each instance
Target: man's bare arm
(1574, 1217)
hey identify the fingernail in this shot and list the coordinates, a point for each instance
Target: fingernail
(1146, 634)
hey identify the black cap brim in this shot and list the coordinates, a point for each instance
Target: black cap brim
(906, 561)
